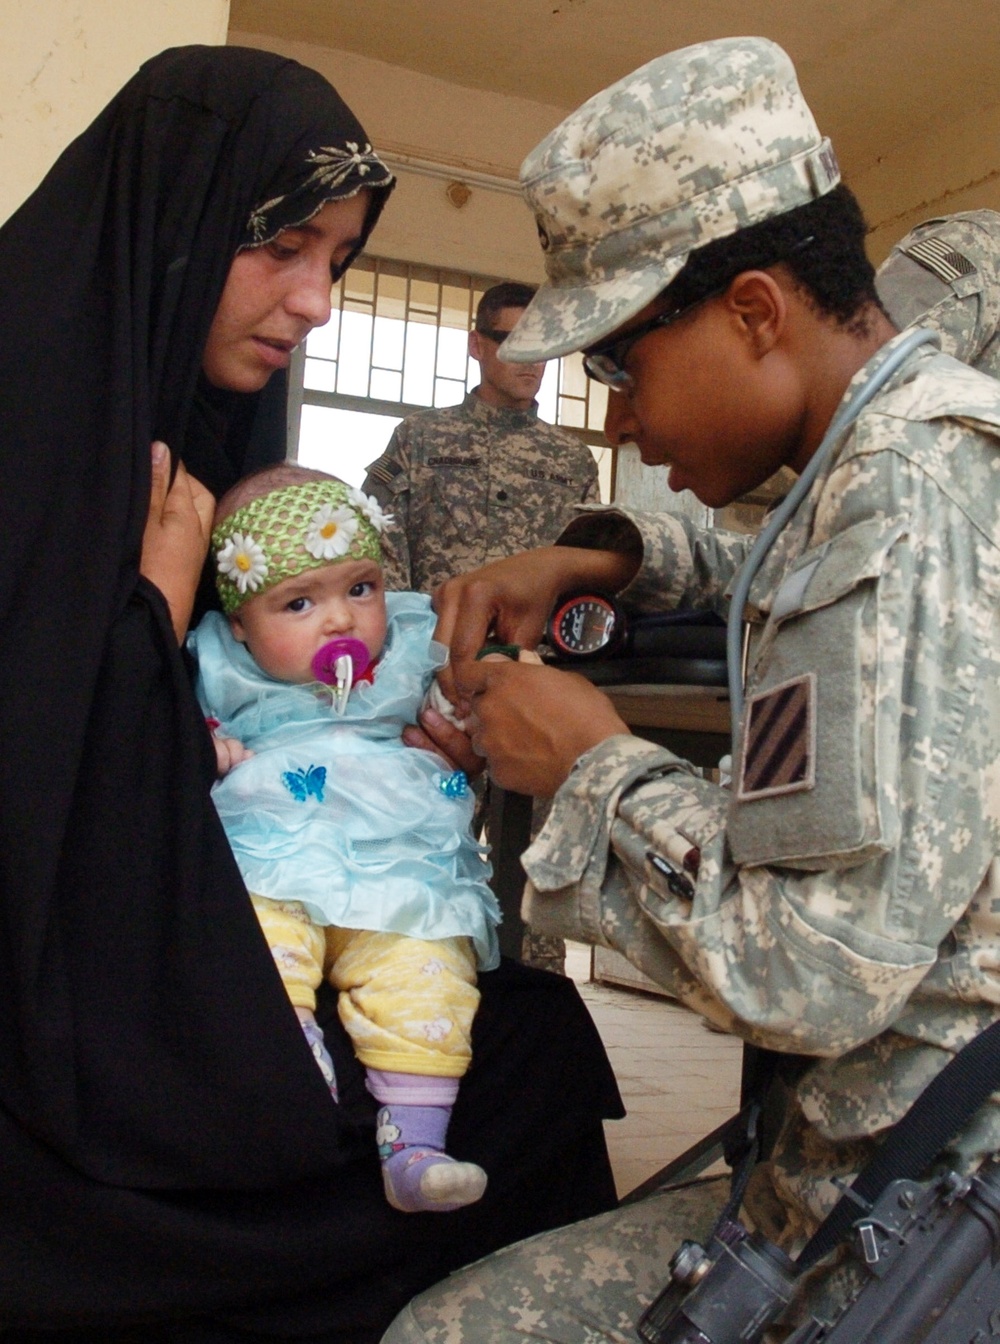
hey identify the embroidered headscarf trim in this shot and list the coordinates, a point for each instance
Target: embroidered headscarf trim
(337, 175)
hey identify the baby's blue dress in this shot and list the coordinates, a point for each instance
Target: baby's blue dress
(334, 811)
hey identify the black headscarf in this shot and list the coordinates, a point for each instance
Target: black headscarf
(128, 964)
(168, 1148)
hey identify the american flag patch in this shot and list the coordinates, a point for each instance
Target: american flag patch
(943, 261)
(779, 740)
(386, 469)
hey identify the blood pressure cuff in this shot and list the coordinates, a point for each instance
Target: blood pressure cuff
(814, 781)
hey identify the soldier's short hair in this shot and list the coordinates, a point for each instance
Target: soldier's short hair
(508, 294)
(822, 243)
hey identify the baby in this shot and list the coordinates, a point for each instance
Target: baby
(356, 849)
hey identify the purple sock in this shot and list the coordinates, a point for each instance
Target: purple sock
(411, 1089)
(418, 1174)
(314, 1039)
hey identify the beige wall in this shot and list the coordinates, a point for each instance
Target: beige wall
(406, 113)
(956, 167)
(465, 129)
(65, 59)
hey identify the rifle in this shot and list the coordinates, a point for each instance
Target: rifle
(928, 1249)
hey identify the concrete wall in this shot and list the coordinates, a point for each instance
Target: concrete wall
(66, 58)
(954, 167)
(62, 60)
(474, 134)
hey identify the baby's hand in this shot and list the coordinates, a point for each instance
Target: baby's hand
(437, 700)
(229, 752)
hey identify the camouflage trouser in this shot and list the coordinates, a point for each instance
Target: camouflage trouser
(543, 952)
(582, 1284)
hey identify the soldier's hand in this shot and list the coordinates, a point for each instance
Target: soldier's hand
(509, 601)
(434, 733)
(532, 723)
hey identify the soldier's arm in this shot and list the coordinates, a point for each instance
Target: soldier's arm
(592, 489)
(388, 479)
(683, 565)
(802, 907)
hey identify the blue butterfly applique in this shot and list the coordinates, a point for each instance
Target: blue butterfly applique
(455, 785)
(301, 783)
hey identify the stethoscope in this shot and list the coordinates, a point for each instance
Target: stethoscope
(845, 416)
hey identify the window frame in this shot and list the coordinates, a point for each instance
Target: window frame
(346, 297)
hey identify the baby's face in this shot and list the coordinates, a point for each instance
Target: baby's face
(285, 627)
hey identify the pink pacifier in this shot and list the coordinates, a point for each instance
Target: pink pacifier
(339, 664)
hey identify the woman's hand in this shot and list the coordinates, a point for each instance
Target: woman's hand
(533, 723)
(509, 601)
(175, 542)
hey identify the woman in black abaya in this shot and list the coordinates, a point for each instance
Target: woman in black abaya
(171, 1163)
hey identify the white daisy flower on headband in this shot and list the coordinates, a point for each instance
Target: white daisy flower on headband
(331, 531)
(243, 562)
(370, 507)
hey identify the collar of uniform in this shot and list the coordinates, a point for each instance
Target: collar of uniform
(796, 535)
(499, 417)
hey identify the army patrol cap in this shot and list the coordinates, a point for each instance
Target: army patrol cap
(692, 147)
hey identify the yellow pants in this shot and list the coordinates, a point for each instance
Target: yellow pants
(407, 1004)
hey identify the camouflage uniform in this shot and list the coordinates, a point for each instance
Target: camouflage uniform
(474, 483)
(848, 909)
(470, 484)
(843, 896)
(844, 908)
(945, 274)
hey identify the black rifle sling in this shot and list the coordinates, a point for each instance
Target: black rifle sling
(912, 1144)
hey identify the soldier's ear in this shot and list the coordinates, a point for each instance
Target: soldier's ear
(759, 309)
(475, 346)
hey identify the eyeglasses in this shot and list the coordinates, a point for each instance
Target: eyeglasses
(605, 362)
(493, 334)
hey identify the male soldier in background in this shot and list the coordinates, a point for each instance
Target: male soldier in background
(475, 482)
(482, 480)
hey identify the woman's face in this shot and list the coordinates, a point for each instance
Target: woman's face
(275, 294)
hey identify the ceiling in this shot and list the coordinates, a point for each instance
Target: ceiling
(876, 72)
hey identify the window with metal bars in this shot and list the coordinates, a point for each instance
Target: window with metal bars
(397, 342)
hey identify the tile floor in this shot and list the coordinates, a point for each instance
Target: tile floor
(678, 1079)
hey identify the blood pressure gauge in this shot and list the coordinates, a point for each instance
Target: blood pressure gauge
(586, 625)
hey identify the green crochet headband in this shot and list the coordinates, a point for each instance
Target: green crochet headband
(291, 530)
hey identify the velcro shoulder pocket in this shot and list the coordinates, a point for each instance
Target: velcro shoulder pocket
(813, 781)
